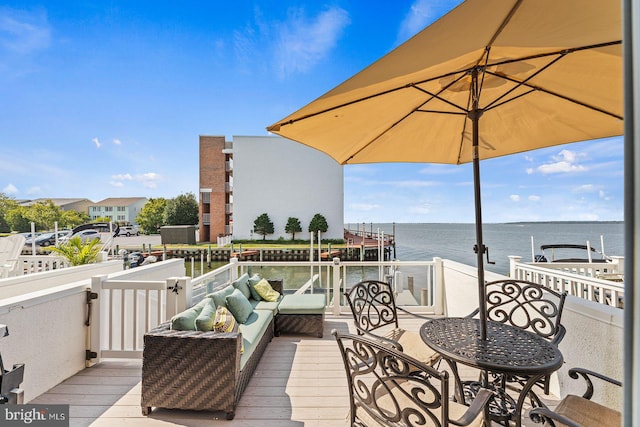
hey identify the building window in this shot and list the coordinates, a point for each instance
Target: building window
(121, 208)
(108, 209)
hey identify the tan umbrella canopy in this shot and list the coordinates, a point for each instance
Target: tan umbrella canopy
(494, 77)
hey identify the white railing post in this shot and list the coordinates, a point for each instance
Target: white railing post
(438, 286)
(179, 292)
(94, 340)
(513, 260)
(233, 271)
(337, 285)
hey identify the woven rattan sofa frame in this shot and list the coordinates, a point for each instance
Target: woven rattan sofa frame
(196, 370)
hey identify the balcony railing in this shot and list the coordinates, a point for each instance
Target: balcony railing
(590, 281)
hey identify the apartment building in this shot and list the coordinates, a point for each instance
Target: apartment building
(121, 210)
(251, 175)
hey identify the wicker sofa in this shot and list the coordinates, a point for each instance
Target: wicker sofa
(209, 371)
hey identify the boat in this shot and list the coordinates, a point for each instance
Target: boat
(589, 254)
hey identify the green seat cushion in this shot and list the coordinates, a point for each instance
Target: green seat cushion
(252, 331)
(266, 292)
(253, 280)
(266, 305)
(302, 304)
(204, 321)
(219, 297)
(241, 283)
(186, 320)
(239, 306)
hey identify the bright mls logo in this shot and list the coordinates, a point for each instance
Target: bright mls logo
(34, 415)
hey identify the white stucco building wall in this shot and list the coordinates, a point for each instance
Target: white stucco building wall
(283, 179)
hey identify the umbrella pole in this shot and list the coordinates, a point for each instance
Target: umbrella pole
(479, 249)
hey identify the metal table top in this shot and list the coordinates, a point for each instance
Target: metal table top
(507, 349)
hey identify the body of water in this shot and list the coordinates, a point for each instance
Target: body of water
(456, 241)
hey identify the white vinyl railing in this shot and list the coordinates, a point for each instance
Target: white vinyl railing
(582, 280)
(29, 264)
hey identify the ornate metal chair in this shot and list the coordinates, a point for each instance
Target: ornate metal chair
(373, 307)
(388, 387)
(580, 411)
(529, 306)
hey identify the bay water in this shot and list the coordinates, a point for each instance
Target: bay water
(455, 241)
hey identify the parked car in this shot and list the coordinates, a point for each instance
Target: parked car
(85, 236)
(128, 230)
(47, 239)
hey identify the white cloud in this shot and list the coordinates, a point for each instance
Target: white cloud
(122, 177)
(10, 189)
(302, 42)
(603, 195)
(34, 190)
(97, 142)
(515, 197)
(149, 180)
(564, 162)
(116, 141)
(529, 171)
(534, 198)
(23, 32)
(419, 16)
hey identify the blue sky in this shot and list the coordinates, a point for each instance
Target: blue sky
(107, 99)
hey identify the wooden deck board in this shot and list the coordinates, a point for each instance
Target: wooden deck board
(300, 381)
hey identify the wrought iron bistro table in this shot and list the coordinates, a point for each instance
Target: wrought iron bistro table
(507, 350)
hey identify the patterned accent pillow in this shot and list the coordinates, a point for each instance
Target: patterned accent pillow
(225, 322)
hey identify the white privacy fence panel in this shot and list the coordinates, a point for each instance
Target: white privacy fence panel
(120, 312)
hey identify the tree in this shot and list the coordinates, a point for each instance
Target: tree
(181, 210)
(77, 252)
(293, 226)
(263, 226)
(44, 214)
(69, 219)
(18, 220)
(318, 223)
(151, 215)
(6, 204)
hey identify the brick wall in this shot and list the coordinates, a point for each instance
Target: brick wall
(213, 176)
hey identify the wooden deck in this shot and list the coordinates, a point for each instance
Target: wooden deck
(300, 381)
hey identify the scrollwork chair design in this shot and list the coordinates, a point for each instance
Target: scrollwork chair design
(373, 307)
(529, 306)
(580, 411)
(388, 387)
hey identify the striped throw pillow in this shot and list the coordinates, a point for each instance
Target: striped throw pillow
(225, 322)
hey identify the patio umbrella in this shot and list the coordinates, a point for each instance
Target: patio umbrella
(490, 78)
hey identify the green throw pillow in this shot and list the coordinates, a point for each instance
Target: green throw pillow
(253, 280)
(264, 289)
(186, 320)
(239, 306)
(241, 283)
(220, 296)
(204, 321)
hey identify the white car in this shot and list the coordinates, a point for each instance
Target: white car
(128, 230)
(85, 236)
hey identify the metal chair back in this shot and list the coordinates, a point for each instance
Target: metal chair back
(387, 387)
(526, 305)
(372, 304)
